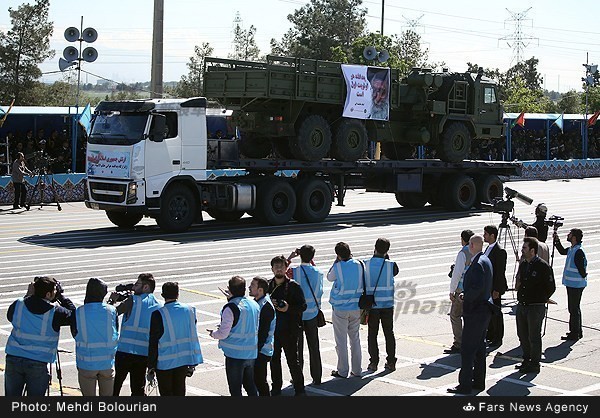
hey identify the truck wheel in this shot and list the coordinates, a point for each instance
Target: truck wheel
(275, 203)
(252, 146)
(350, 141)
(460, 193)
(313, 200)
(488, 188)
(123, 220)
(314, 139)
(411, 200)
(283, 148)
(178, 209)
(225, 215)
(455, 143)
(396, 151)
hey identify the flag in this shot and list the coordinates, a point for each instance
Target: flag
(6, 113)
(520, 120)
(85, 119)
(560, 121)
(591, 121)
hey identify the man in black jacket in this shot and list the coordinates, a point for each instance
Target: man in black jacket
(289, 302)
(534, 287)
(497, 256)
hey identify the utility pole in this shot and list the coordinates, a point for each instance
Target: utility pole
(382, 14)
(518, 36)
(156, 72)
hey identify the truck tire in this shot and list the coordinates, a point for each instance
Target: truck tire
(123, 220)
(350, 141)
(313, 200)
(178, 209)
(461, 193)
(275, 202)
(411, 200)
(455, 143)
(251, 146)
(396, 151)
(488, 188)
(313, 140)
(283, 148)
(225, 215)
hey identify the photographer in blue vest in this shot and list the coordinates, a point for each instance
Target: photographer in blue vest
(33, 341)
(258, 289)
(238, 337)
(96, 341)
(132, 350)
(575, 280)
(174, 348)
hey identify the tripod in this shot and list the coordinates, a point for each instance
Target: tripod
(44, 179)
(505, 233)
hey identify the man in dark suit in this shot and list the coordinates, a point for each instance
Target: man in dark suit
(497, 256)
(477, 286)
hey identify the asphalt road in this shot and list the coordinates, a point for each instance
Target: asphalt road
(76, 243)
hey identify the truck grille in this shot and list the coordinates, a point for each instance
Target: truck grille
(108, 192)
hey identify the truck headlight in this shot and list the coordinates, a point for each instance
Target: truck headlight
(132, 193)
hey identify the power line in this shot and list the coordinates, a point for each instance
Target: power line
(518, 37)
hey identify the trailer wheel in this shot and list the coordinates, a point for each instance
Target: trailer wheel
(283, 147)
(124, 220)
(313, 200)
(412, 200)
(314, 139)
(252, 146)
(178, 209)
(275, 203)
(488, 188)
(225, 215)
(396, 151)
(460, 193)
(455, 143)
(350, 141)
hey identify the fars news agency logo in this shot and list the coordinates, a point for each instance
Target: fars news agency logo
(468, 408)
(406, 301)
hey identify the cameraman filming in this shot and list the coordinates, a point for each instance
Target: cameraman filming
(33, 341)
(132, 349)
(540, 223)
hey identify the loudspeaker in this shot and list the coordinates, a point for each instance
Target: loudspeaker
(64, 64)
(89, 35)
(72, 34)
(383, 56)
(89, 54)
(370, 53)
(71, 53)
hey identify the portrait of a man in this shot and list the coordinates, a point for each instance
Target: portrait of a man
(380, 87)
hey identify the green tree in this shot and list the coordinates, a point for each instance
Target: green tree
(22, 49)
(244, 44)
(570, 102)
(527, 70)
(320, 26)
(190, 85)
(520, 98)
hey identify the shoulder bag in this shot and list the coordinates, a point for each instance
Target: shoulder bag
(320, 315)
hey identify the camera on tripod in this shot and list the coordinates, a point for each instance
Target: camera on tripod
(122, 292)
(555, 221)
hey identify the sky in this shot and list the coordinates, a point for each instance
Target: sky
(562, 35)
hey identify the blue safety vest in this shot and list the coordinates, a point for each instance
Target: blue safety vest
(571, 276)
(468, 257)
(348, 285)
(384, 293)
(97, 336)
(242, 341)
(32, 335)
(315, 277)
(179, 345)
(267, 348)
(135, 329)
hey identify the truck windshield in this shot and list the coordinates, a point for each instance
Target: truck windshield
(115, 128)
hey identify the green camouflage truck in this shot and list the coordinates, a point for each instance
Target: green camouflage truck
(293, 107)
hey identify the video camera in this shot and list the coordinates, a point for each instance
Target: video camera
(504, 207)
(555, 221)
(123, 291)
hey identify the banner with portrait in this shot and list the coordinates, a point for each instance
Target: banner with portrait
(367, 92)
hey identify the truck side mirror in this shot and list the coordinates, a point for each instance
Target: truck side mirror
(159, 124)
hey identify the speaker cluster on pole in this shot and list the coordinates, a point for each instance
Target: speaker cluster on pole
(72, 55)
(371, 54)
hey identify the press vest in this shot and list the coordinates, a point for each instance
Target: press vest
(242, 341)
(267, 348)
(179, 345)
(348, 285)
(315, 276)
(571, 276)
(32, 335)
(384, 292)
(135, 329)
(97, 336)
(468, 256)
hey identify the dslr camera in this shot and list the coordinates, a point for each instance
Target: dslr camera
(123, 291)
(279, 303)
(555, 222)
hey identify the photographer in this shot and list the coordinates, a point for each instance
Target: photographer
(33, 341)
(540, 223)
(574, 278)
(174, 348)
(19, 171)
(132, 350)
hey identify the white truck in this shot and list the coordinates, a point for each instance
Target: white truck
(159, 158)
